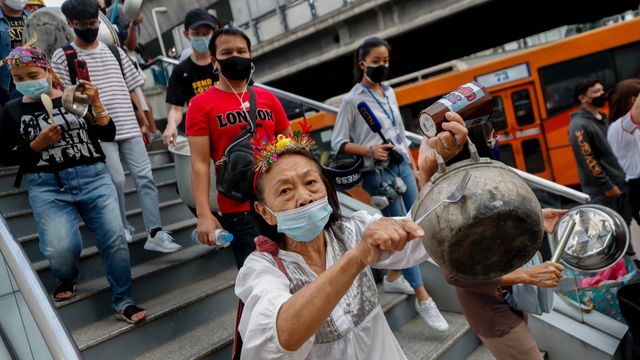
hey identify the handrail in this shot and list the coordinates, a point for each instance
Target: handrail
(532, 180)
(55, 334)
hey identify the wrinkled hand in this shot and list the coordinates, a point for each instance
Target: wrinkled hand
(551, 218)
(447, 143)
(170, 134)
(207, 225)
(381, 152)
(91, 91)
(614, 193)
(545, 275)
(385, 235)
(47, 137)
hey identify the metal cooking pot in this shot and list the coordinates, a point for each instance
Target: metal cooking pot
(132, 8)
(182, 156)
(599, 239)
(74, 101)
(495, 228)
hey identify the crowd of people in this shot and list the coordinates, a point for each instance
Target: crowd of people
(307, 286)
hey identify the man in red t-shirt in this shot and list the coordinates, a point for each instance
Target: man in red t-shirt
(214, 119)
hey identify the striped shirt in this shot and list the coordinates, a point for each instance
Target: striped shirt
(114, 88)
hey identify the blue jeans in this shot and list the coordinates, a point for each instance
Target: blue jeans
(89, 195)
(371, 182)
(134, 154)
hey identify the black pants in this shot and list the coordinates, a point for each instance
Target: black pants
(634, 199)
(244, 231)
(621, 205)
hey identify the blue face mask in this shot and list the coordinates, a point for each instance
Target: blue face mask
(200, 43)
(33, 88)
(304, 223)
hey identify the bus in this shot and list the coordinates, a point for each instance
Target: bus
(533, 93)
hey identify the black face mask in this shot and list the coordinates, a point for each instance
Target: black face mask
(599, 101)
(87, 35)
(235, 67)
(378, 73)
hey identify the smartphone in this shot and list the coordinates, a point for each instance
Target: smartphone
(82, 70)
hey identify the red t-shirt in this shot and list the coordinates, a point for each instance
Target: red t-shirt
(219, 115)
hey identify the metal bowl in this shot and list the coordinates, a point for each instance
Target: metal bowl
(182, 158)
(74, 101)
(132, 8)
(598, 241)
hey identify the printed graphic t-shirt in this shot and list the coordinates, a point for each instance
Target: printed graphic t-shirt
(17, 26)
(219, 115)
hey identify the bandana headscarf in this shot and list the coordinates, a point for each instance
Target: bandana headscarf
(26, 56)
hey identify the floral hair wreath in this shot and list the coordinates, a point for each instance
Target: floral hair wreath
(268, 147)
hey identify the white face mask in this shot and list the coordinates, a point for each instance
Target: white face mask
(17, 5)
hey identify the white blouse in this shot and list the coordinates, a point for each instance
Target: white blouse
(356, 328)
(624, 138)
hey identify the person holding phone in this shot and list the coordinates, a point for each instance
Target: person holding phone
(391, 183)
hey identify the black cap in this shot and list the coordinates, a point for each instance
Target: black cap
(197, 17)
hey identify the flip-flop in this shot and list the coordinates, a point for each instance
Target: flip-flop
(128, 313)
(64, 286)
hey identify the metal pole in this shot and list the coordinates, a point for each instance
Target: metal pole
(55, 334)
(161, 9)
(564, 240)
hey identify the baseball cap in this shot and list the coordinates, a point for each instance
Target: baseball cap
(197, 17)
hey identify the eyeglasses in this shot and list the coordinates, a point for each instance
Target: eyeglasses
(84, 25)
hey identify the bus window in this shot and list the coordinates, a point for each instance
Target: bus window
(499, 120)
(532, 152)
(521, 100)
(506, 155)
(559, 80)
(626, 60)
(322, 150)
(411, 112)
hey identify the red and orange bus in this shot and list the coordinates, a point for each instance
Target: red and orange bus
(533, 95)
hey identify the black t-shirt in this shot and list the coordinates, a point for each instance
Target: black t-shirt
(187, 80)
(17, 26)
(78, 146)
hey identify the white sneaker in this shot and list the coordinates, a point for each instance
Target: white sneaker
(162, 242)
(431, 315)
(399, 285)
(128, 235)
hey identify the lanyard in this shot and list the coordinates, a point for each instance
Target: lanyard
(390, 117)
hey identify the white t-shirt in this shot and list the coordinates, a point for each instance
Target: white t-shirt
(114, 84)
(624, 137)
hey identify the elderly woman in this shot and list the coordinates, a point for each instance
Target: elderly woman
(326, 305)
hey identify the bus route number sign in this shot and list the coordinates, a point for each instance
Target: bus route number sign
(504, 76)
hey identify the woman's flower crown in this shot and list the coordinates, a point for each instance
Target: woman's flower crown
(267, 147)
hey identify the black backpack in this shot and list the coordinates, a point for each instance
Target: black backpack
(71, 55)
(236, 167)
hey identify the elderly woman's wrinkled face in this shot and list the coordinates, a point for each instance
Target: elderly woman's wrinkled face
(292, 182)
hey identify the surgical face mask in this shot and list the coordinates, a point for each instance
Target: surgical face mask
(304, 223)
(34, 88)
(16, 4)
(377, 73)
(235, 67)
(200, 44)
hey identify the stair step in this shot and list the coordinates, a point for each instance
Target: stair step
(169, 315)
(15, 200)
(91, 265)
(420, 342)
(482, 353)
(172, 211)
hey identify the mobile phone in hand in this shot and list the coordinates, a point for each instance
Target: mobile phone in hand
(82, 70)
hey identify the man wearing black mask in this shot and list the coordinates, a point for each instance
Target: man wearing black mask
(601, 176)
(216, 118)
(116, 78)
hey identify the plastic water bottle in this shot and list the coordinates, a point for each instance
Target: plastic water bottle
(223, 237)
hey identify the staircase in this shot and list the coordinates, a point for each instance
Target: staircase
(189, 294)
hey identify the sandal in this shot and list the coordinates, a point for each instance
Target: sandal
(128, 313)
(64, 286)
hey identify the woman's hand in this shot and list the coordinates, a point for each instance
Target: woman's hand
(381, 152)
(385, 235)
(91, 91)
(551, 218)
(545, 275)
(47, 137)
(447, 143)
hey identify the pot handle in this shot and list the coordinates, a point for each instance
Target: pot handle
(442, 167)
